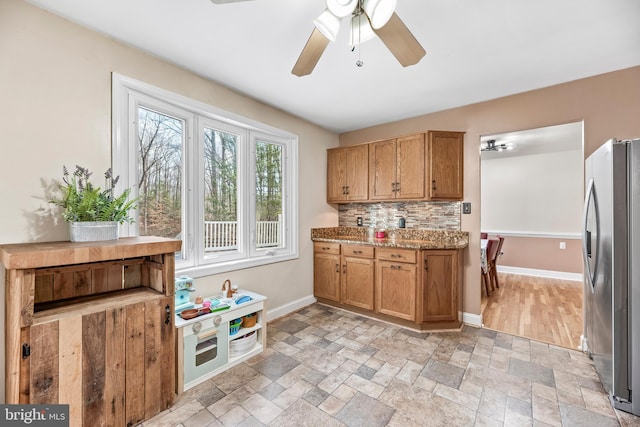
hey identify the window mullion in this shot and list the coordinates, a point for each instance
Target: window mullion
(244, 196)
(250, 199)
(192, 202)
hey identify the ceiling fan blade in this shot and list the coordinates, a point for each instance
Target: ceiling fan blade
(399, 40)
(311, 53)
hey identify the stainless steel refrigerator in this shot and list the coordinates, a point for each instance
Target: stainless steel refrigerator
(611, 251)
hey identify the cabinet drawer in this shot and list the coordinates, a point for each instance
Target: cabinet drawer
(327, 248)
(357, 251)
(397, 255)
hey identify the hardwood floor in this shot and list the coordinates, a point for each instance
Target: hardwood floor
(543, 309)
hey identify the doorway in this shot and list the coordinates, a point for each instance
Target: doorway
(532, 195)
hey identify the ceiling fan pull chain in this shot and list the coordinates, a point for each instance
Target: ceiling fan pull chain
(359, 62)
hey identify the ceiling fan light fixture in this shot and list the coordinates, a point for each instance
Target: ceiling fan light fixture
(379, 11)
(361, 30)
(342, 8)
(492, 146)
(328, 24)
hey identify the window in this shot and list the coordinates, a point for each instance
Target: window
(223, 184)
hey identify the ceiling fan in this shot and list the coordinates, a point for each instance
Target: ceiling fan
(368, 19)
(492, 146)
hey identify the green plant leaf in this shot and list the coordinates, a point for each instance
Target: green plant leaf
(82, 201)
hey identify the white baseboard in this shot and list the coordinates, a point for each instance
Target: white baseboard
(472, 319)
(283, 310)
(541, 273)
(584, 345)
(467, 318)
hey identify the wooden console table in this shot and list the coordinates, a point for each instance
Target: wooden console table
(91, 325)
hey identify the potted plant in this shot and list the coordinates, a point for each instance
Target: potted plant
(92, 213)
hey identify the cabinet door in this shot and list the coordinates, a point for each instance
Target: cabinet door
(336, 178)
(396, 289)
(113, 366)
(440, 286)
(357, 282)
(410, 160)
(357, 172)
(382, 170)
(445, 151)
(326, 276)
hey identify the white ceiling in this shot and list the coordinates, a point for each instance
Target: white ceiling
(476, 50)
(549, 139)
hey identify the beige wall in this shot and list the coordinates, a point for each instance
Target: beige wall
(538, 253)
(609, 104)
(55, 109)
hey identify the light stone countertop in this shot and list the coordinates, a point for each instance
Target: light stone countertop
(395, 238)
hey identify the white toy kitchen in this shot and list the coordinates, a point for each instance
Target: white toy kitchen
(216, 333)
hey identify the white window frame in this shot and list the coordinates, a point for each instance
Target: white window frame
(242, 153)
(127, 95)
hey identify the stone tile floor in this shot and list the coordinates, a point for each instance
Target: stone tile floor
(328, 367)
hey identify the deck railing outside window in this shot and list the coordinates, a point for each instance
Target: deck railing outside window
(222, 235)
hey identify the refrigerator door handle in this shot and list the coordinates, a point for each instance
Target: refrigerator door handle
(587, 249)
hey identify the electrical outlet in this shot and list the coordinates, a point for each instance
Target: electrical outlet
(563, 245)
(466, 207)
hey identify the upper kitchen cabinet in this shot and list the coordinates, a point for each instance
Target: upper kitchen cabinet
(396, 168)
(444, 171)
(348, 174)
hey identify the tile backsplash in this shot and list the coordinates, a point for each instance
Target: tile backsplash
(417, 215)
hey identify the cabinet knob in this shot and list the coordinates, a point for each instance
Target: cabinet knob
(337, 268)
(393, 187)
(397, 186)
(347, 189)
(433, 184)
(426, 266)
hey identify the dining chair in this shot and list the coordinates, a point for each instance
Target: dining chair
(492, 262)
(492, 247)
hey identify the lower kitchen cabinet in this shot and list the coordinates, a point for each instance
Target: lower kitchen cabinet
(357, 276)
(396, 276)
(441, 290)
(326, 271)
(415, 288)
